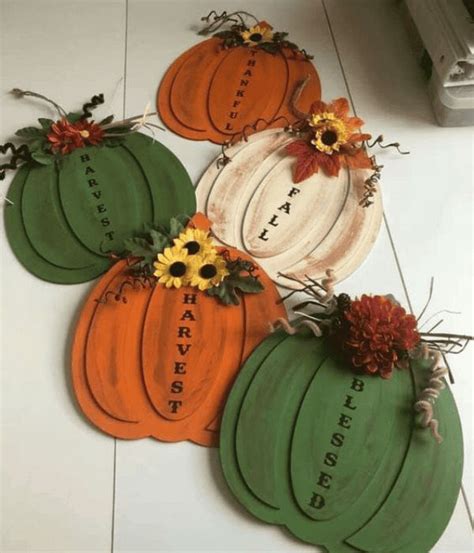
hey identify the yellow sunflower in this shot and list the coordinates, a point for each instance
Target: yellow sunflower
(257, 35)
(330, 132)
(195, 242)
(208, 271)
(173, 267)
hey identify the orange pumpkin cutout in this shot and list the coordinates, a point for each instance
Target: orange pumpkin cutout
(219, 93)
(162, 363)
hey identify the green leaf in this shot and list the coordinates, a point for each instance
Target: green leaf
(36, 145)
(139, 247)
(107, 120)
(176, 227)
(247, 284)
(74, 117)
(159, 240)
(42, 157)
(45, 123)
(30, 132)
(269, 47)
(226, 292)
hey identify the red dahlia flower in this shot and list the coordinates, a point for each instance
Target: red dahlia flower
(65, 137)
(377, 333)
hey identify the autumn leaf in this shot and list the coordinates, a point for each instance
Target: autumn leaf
(358, 160)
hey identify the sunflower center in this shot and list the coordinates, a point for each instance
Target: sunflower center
(329, 137)
(84, 134)
(177, 269)
(256, 37)
(193, 247)
(208, 271)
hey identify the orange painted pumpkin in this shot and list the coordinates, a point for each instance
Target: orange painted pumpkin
(162, 363)
(212, 92)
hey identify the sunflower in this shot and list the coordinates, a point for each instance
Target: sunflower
(257, 35)
(173, 267)
(208, 271)
(195, 242)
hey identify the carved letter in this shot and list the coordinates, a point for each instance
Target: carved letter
(331, 459)
(183, 349)
(293, 192)
(324, 480)
(252, 63)
(97, 194)
(89, 170)
(177, 387)
(236, 103)
(272, 221)
(317, 501)
(189, 298)
(110, 235)
(248, 73)
(345, 421)
(263, 234)
(357, 385)
(184, 332)
(240, 93)
(85, 158)
(233, 114)
(285, 207)
(228, 127)
(101, 208)
(188, 315)
(243, 83)
(349, 404)
(174, 405)
(105, 222)
(337, 439)
(92, 182)
(179, 367)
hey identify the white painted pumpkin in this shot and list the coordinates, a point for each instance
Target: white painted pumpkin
(290, 229)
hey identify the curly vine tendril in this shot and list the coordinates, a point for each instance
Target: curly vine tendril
(20, 154)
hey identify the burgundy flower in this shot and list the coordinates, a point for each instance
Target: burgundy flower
(377, 333)
(65, 137)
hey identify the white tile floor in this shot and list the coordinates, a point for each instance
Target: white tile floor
(65, 486)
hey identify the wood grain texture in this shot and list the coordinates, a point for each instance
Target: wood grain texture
(65, 219)
(147, 367)
(336, 457)
(211, 93)
(294, 230)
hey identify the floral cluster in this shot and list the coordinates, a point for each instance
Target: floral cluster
(179, 256)
(377, 334)
(331, 140)
(192, 260)
(65, 136)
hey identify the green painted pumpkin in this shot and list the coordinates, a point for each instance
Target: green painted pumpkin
(336, 457)
(64, 219)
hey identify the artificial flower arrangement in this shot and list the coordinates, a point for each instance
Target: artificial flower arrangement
(260, 35)
(82, 187)
(325, 429)
(178, 256)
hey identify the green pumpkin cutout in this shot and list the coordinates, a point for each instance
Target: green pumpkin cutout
(66, 211)
(340, 458)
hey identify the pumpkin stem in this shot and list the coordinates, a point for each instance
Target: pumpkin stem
(218, 20)
(22, 93)
(296, 97)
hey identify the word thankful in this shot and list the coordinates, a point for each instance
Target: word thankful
(185, 334)
(240, 93)
(96, 192)
(317, 500)
(283, 208)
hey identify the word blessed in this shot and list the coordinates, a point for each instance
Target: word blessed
(240, 93)
(97, 195)
(184, 331)
(317, 500)
(283, 208)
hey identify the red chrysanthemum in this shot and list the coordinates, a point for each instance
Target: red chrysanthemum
(377, 332)
(65, 137)
(333, 142)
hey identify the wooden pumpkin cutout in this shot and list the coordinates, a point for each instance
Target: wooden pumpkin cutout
(66, 211)
(291, 229)
(224, 87)
(336, 457)
(161, 364)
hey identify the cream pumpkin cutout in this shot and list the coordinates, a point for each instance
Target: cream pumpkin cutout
(301, 199)
(156, 356)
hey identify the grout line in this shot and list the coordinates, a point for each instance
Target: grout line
(112, 540)
(397, 261)
(125, 60)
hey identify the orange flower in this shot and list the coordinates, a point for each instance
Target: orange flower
(65, 137)
(377, 332)
(334, 142)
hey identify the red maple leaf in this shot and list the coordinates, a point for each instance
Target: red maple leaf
(307, 160)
